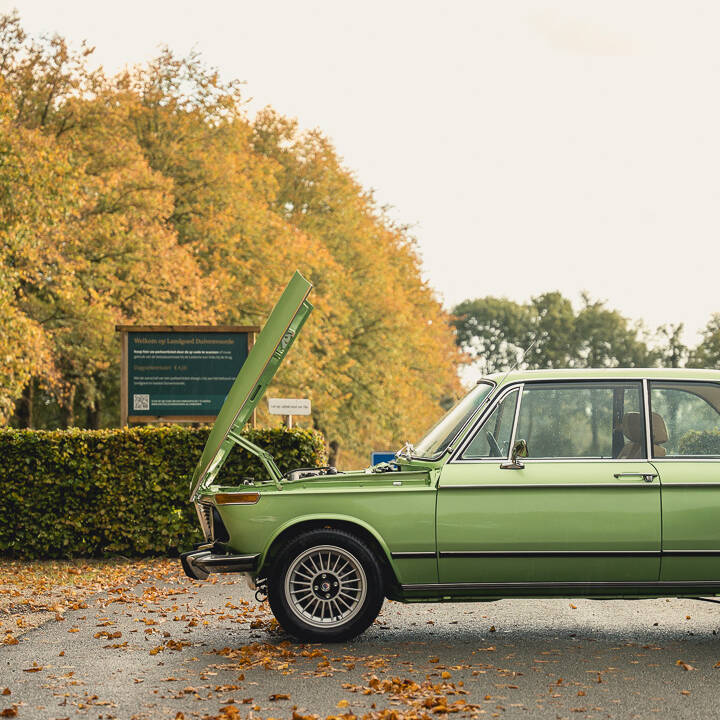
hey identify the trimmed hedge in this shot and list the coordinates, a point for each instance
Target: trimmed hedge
(700, 442)
(67, 493)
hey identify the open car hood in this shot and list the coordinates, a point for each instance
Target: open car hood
(268, 351)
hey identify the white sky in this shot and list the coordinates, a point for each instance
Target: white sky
(532, 145)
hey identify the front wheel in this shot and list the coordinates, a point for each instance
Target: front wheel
(326, 586)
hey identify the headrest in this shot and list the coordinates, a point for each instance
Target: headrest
(659, 429)
(632, 426)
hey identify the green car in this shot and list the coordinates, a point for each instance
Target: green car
(555, 483)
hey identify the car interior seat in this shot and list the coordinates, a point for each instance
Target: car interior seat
(632, 427)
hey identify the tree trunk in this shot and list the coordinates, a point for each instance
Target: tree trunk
(93, 415)
(24, 406)
(333, 453)
(67, 410)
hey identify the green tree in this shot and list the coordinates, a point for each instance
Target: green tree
(494, 332)
(604, 338)
(707, 353)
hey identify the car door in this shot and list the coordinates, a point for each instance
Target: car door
(686, 452)
(584, 507)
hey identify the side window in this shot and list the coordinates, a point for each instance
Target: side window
(493, 438)
(685, 419)
(582, 420)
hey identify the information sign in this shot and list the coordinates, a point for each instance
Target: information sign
(179, 373)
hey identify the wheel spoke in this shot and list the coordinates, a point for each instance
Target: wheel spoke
(325, 586)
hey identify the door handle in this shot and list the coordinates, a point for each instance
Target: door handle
(647, 477)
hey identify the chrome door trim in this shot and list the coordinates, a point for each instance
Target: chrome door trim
(690, 484)
(548, 553)
(551, 553)
(618, 585)
(479, 486)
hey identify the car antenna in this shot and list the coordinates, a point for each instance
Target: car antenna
(519, 360)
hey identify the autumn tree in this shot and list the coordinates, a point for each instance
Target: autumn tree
(156, 199)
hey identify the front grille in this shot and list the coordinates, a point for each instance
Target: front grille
(219, 530)
(205, 516)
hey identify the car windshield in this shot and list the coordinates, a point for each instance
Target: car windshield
(444, 431)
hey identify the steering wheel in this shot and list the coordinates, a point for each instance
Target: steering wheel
(494, 447)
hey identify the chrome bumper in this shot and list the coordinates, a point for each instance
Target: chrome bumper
(198, 564)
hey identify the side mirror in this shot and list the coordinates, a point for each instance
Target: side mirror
(520, 450)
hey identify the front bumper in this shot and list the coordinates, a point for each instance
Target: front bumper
(198, 564)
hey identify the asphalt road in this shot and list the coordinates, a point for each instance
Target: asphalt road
(196, 648)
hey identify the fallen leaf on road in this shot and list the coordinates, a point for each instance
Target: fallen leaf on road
(684, 692)
(684, 665)
(278, 696)
(343, 703)
(6, 691)
(9, 712)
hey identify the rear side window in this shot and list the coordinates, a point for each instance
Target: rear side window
(685, 419)
(601, 420)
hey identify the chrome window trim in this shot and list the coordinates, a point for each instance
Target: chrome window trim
(457, 456)
(531, 461)
(646, 412)
(474, 427)
(513, 434)
(489, 397)
(688, 458)
(681, 458)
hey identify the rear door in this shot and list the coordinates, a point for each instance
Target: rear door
(686, 452)
(585, 508)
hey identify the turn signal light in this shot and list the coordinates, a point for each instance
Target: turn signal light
(243, 498)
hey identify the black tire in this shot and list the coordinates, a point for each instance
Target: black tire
(350, 593)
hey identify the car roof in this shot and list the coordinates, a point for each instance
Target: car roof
(606, 374)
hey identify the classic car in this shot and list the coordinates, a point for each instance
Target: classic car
(555, 483)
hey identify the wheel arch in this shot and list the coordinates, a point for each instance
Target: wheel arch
(342, 522)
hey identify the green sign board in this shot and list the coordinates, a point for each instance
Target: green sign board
(179, 373)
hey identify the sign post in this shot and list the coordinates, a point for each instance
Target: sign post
(287, 407)
(179, 373)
